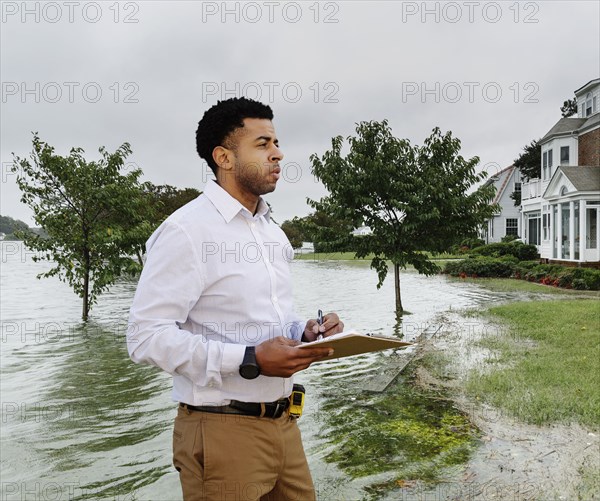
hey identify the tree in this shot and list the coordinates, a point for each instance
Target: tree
(413, 198)
(152, 206)
(569, 107)
(294, 231)
(8, 225)
(167, 199)
(89, 211)
(530, 161)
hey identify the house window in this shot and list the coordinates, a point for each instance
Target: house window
(512, 226)
(588, 104)
(545, 165)
(546, 224)
(534, 228)
(591, 241)
(564, 155)
(550, 161)
(518, 188)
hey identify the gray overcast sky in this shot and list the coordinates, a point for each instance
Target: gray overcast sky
(101, 73)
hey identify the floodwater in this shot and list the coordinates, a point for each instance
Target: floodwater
(81, 421)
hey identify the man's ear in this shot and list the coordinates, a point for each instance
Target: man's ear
(223, 157)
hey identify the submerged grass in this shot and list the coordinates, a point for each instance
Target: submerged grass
(548, 364)
(413, 433)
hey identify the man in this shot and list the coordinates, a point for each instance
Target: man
(214, 308)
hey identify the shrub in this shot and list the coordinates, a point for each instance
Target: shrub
(507, 266)
(516, 248)
(579, 284)
(480, 267)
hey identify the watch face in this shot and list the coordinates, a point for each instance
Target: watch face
(249, 371)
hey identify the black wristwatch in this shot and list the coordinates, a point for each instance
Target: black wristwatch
(249, 368)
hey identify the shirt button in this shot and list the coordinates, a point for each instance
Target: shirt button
(274, 299)
(252, 225)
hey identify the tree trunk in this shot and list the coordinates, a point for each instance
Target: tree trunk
(86, 285)
(399, 308)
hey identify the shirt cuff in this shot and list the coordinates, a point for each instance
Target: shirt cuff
(233, 356)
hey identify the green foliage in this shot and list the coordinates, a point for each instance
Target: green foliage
(530, 161)
(466, 244)
(516, 248)
(93, 215)
(508, 266)
(414, 198)
(166, 199)
(294, 230)
(516, 197)
(569, 107)
(480, 267)
(8, 225)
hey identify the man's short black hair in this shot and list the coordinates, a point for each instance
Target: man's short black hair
(221, 120)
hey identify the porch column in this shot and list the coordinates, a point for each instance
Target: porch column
(582, 235)
(572, 230)
(552, 232)
(559, 232)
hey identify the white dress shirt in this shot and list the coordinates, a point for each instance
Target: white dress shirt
(215, 280)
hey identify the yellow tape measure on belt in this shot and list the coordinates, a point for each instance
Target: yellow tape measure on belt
(296, 401)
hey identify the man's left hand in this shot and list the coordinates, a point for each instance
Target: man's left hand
(331, 325)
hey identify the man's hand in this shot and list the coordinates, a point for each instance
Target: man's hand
(279, 357)
(331, 325)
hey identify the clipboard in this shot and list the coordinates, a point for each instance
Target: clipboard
(349, 343)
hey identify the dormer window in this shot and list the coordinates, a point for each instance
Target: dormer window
(588, 104)
(564, 155)
(563, 191)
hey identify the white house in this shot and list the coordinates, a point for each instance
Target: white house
(560, 211)
(507, 221)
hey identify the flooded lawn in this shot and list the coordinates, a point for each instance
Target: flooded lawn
(79, 418)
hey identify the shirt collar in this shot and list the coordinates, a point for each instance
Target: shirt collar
(229, 207)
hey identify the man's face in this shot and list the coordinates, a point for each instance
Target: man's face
(257, 156)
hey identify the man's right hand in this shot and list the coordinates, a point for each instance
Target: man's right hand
(279, 357)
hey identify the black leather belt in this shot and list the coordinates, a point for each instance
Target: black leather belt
(259, 409)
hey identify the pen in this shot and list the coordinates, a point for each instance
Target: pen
(320, 322)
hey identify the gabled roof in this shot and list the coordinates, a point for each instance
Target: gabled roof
(583, 178)
(504, 175)
(591, 83)
(564, 126)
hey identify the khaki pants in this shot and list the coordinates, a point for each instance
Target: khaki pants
(230, 457)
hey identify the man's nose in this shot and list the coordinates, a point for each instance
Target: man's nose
(276, 154)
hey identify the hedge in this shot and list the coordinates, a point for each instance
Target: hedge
(516, 248)
(533, 271)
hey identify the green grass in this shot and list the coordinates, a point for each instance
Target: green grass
(348, 256)
(514, 285)
(329, 256)
(548, 368)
